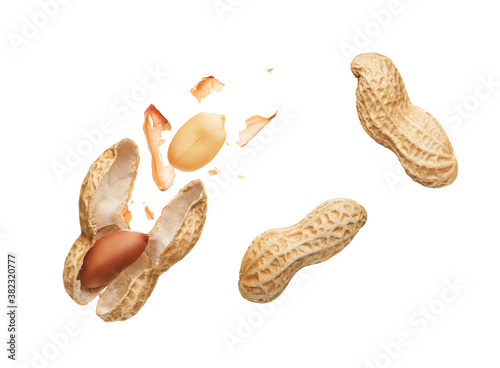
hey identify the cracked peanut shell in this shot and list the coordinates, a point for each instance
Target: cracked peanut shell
(104, 194)
(275, 256)
(388, 116)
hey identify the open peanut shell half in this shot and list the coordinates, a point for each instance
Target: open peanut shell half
(105, 192)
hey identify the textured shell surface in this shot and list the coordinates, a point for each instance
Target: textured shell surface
(104, 194)
(276, 255)
(387, 115)
(174, 235)
(108, 168)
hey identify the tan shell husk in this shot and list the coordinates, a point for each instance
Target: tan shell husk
(126, 295)
(89, 233)
(276, 255)
(387, 115)
(175, 233)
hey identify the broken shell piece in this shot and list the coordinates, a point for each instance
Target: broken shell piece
(127, 215)
(214, 171)
(157, 119)
(270, 70)
(205, 86)
(154, 124)
(149, 214)
(254, 125)
(104, 194)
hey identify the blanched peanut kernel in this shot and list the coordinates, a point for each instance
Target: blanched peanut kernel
(197, 142)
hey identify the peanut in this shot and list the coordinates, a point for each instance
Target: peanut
(110, 255)
(128, 281)
(387, 115)
(276, 255)
(197, 142)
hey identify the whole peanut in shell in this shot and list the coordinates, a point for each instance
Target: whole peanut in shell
(276, 255)
(388, 116)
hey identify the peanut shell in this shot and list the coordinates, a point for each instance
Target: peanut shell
(104, 195)
(387, 115)
(101, 209)
(174, 235)
(276, 255)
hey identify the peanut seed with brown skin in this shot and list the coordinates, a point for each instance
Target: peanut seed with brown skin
(110, 255)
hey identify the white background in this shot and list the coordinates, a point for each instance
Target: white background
(72, 72)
